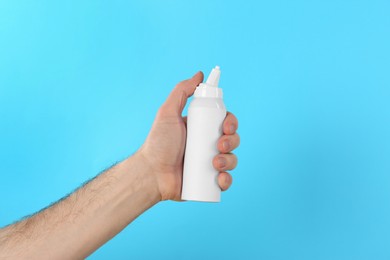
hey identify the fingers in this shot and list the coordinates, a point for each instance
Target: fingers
(230, 124)
(225, 180)
(225, 162)
(176, 101)
(228, 143)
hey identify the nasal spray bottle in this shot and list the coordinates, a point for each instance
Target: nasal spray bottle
(204, 127)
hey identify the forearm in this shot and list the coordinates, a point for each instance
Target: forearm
(76, 226)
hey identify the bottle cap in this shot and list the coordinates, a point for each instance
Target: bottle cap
(210, 88)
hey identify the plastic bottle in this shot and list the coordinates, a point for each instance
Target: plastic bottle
(204, 127)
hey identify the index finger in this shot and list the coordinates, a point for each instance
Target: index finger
(230, 124)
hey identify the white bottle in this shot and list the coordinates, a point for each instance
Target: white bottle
(204, 127)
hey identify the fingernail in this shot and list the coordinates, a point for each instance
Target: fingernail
(227, 180)
(221, 162)
(226, 145)
(232, 128)
(196, 74)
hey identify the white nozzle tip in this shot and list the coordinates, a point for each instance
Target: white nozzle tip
(213, 78)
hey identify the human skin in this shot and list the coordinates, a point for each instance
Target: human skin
(77, 225)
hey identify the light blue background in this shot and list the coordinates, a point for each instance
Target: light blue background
(80, 82)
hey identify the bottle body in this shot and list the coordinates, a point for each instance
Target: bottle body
(204, 128)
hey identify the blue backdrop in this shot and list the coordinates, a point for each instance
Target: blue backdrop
(81, 81)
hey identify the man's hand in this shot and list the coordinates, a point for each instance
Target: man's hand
(164, 147)
(77, 225)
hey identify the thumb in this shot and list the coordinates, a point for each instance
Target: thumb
(177, 100)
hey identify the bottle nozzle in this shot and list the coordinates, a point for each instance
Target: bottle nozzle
(213, 78)
(210, 87)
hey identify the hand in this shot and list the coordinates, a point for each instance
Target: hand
(121, 193)
(164, 146)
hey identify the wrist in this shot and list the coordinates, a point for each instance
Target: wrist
(140, 170)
